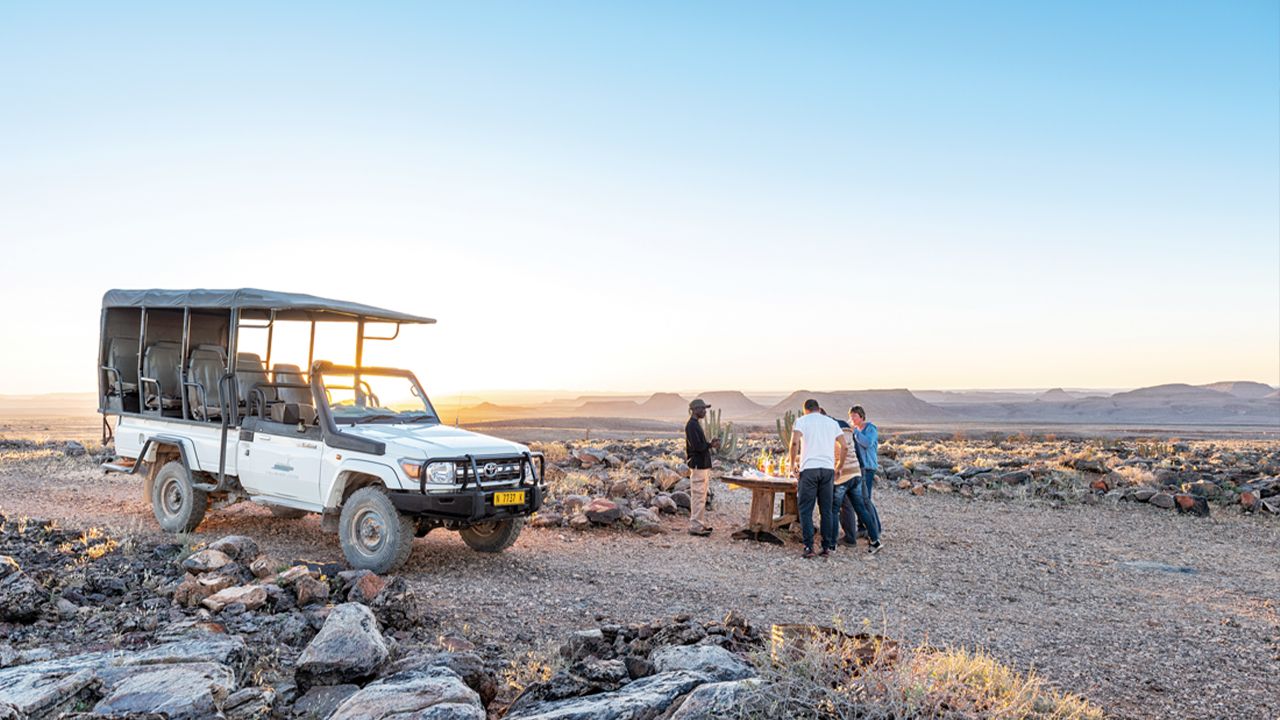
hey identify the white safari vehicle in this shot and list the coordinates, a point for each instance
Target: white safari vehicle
(208, 424)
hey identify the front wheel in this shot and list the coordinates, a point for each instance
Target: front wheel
(493, 536)
(178, 505)
(374, 535)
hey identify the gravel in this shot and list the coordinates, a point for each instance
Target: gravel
(1079, 593)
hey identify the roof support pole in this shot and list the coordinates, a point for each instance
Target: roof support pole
(311, 347)
(271, 329)
(182, 363)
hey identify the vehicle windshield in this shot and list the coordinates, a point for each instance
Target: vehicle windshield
(376, 398)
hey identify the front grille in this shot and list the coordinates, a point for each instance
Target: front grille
(505, 470)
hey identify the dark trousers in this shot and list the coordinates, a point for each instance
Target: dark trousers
(853, 499)
(817, 486)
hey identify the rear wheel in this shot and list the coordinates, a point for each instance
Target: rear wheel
(177, 504)
(493, 536)
(287, 513)
(374, 535)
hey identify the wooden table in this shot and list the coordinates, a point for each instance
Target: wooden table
(762, 524)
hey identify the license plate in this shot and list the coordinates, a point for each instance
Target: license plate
(509, 498)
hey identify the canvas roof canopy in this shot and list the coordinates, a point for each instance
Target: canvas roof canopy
(254, 303)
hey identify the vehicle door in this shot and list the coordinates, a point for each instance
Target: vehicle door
(280, 459)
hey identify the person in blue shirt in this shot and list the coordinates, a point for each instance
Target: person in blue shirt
(866, 440)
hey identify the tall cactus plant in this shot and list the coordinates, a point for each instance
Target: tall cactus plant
(784, 425)
(713, 428)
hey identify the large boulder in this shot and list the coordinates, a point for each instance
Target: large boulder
(320, 701)
(190, 691)
(714, 700)
(436, 693)
(643, 699)
(348, 648)
(44, 694)
(711, 660)
(467, 665)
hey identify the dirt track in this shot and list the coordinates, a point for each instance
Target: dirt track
(1038, 587)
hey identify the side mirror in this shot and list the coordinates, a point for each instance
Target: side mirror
(302, 427)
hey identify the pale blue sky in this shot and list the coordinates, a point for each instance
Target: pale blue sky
(923, 195)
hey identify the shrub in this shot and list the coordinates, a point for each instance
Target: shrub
(926, 683)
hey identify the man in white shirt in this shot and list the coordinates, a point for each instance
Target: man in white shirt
(822, 449)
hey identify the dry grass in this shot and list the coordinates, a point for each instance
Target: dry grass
(925, 683)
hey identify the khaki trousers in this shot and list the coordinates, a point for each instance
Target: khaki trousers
(698, 484)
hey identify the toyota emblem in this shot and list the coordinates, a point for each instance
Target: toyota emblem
(491, 469)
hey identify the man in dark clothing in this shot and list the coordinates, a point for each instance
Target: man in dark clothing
(698, 449)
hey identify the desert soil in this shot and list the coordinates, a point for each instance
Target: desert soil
(1085, 595)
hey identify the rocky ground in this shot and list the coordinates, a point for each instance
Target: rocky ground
(1149, 612)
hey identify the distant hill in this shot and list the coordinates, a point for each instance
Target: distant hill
(1173, 391)
(1242, 389)
(1173, 404)
(665, 405)
(733, 404)
(889, 405)
(609, 408)
(1057, 395)
(944, 397)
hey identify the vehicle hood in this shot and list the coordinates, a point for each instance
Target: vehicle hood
(434, 441)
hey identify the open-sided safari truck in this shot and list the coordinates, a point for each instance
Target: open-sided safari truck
(207, 425)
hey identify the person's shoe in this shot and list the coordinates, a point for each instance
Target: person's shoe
(700, 532)
(808, 553)
(874, 547)
(850, 543)
(825, 552)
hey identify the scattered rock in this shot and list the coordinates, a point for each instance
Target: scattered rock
(237, 547)
(206, 560)
(437, 693)
(648, 697)
(308, 591)
(21, 598)
(545, 519)
(714, 700)
(251, 597)
(1192, 504)
(193, 691)
(319, 702)
(602, 512)
(367, 587)
(348, 648)
(1162, 500)
(711, 660)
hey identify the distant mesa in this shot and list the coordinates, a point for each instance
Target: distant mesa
(1173, 391)
(1057, 395)
(898, 405)
(733, 404)
(1243, 389)
(664, 405)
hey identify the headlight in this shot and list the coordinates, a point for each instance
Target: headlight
(528, 472)
(412, 468)
(441, 473)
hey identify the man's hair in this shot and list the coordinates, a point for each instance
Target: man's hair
(810, 405)
(857, 410)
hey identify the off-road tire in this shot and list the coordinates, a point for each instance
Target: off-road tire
(286, 513)
(178, 506)
(374, 535)
(493, 536)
